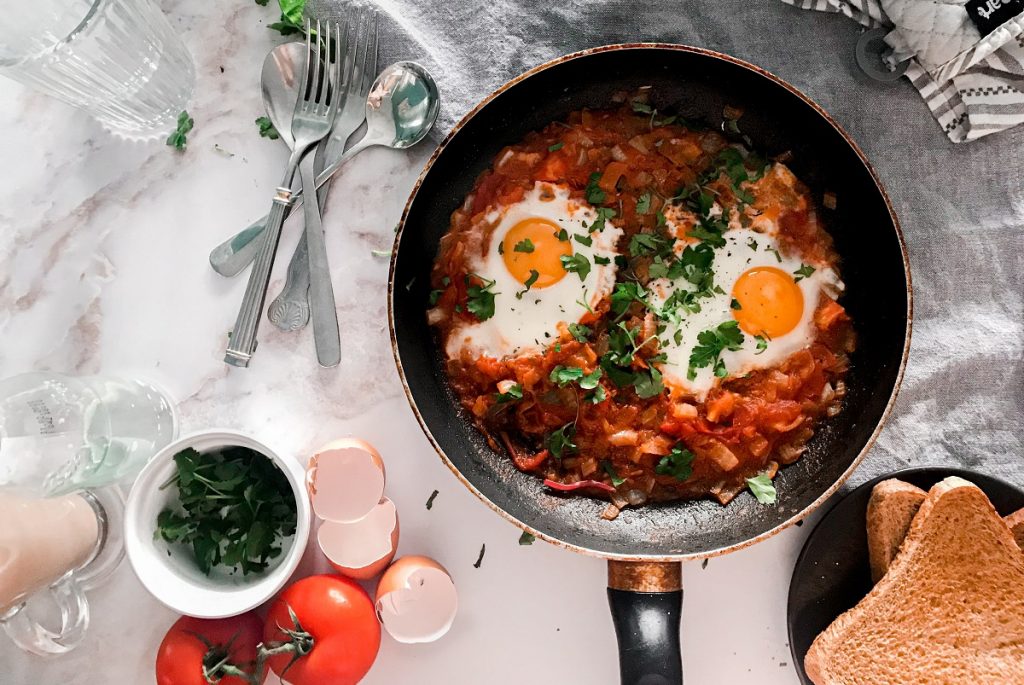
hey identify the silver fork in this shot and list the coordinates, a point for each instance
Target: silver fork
(290, 309)
(315, 108)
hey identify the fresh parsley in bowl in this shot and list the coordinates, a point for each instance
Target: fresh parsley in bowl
(234, 508)
(216, 523)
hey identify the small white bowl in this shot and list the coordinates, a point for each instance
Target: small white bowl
(168, 570)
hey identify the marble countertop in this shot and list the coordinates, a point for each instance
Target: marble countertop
(103, 269)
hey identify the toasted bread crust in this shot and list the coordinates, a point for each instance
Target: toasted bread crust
(949, 611)
(891, 509)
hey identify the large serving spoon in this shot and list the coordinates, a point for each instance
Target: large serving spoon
(400, 111)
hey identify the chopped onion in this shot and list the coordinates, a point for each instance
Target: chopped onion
(435, 316)
(618, 154)
(507, 155)
(624, 438)
(610, 512)
(829, 200)
(636, 497)
(637, 143)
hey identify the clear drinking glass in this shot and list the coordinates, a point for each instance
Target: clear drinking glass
(60, 434)
(118, 60)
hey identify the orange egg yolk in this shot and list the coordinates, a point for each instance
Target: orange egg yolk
(771, 303)
(539, 250)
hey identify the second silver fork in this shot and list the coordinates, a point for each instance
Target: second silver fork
(290, 309)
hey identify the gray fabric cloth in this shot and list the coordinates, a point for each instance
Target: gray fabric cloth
(962, 207)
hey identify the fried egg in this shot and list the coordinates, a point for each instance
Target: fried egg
(526, 257)
(771, 296)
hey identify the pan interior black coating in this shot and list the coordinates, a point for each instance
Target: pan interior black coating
(697, 85)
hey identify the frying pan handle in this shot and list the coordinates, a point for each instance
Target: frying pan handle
(646, 600)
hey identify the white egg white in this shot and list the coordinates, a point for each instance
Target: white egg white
(744, 249)
(525, 325)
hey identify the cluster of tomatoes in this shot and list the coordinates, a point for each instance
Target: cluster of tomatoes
(320, 630)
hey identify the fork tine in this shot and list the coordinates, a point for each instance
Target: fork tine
(351, 53)
(314, 95)
(304, 81)
(337, 94)
(370, 63)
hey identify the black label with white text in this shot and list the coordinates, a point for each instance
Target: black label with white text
(988, 15)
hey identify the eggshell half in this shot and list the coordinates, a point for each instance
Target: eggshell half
(364, 548)
(345, 479)
(416, 600)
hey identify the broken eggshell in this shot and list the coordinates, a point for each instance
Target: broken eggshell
(363, 548)
(416, 600)
(345, 479)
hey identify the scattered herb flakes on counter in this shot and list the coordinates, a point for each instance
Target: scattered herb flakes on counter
(234, 506)
(381, 253)
(267, 129)
(179, 139)
(480, 559)
(763, 488)
(430, 500)
(526, 538)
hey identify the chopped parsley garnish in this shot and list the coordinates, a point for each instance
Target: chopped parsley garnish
(534, 275)
(267, 129)
(576, 263)
(583, 239)
(803, 272)
(778, 257)
(560, 442)
(435, 295)
(762, 343)
(430, 500)
(599, 395)
(579, 332)
(762, 488)
(563, 375)
(598, 259)
(595, 195)
(735, 304)
(678, 463)
(710, 345)
(501, 247)
(524, 245)
(646, 244)
(643, 205)
(527, 538)
(612, 473)
(648, 383)
(625, 294)
(603, 214)
(556, 147)
(562, 235)
(480, 300)
(178, 139)
(752, 244)
(710, 232)
(514, 392)
(641, 107)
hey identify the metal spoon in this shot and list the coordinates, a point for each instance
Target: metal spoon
(400, 110)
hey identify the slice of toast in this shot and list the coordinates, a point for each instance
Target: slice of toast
(950, 611)
(891, 508)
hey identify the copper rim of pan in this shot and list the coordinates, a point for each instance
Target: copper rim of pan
(800, 515)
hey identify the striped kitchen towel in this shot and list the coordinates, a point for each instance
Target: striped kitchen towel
(965, 57)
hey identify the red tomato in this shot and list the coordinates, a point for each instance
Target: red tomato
(192, 643)
(342, 632)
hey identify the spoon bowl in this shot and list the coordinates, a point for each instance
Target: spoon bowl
(281, 69)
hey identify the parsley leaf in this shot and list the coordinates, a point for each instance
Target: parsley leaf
(646, 244)
(556, 147)
(599, 395)
(803, 272)
(590, 381)
(710, 345)
(563, 375)
(643, 205)
(576, 263)
(752, 244)
(735, 304)
(762, 488)
(678, 463)
(524, 245)
(598, 259)
(480, 301)
(612, 473)
(292, 20)
(603, 214)
(583, 239)
(177, 140)
(534, 275)
(514, 392)
(648, 383)
(560, 442)
(267, 129)
(435, 295)
(579, 331)
(625, 294)
(430, 500)
(595, 195)
(762, 343)
(641, 107)
(562, 235)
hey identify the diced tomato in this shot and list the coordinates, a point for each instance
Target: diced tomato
(610, 178)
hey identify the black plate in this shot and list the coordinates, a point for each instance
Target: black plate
(832, 572)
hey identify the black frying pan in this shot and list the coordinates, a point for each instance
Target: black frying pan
(645, 545)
